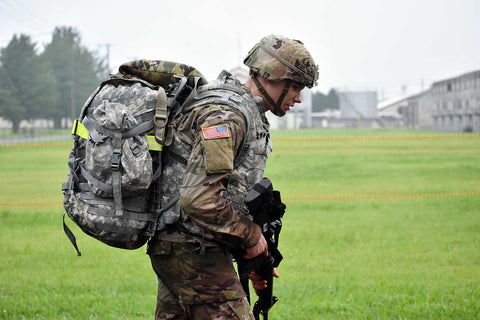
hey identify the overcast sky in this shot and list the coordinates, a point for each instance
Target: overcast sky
(358, 44)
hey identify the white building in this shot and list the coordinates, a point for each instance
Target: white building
(455, 103)
(448, 105)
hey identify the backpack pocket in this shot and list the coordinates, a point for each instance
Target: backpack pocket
(104, 155)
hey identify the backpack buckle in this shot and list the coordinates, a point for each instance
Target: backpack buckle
(115, 164)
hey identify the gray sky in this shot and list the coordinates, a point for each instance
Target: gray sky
(364, 44)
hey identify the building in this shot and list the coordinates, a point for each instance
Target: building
(456, 103)
(390, 111)
(358, 109)
(448, 105)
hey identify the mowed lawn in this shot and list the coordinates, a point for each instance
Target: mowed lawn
(376, 228)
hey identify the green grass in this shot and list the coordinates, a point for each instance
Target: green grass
(409, 258)
(32, 174)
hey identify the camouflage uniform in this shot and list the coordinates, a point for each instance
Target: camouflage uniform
(224, 136)
(219, 151)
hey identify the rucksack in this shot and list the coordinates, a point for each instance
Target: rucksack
(111, 191)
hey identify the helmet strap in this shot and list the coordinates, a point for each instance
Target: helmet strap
(277, 106)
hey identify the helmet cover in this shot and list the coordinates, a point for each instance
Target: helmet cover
(279, 58)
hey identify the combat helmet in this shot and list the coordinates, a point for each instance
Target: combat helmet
(279, 58)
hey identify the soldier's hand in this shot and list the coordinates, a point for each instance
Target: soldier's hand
(258, 249)
(258, 283)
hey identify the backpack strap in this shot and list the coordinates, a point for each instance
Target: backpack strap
(93, 128)
(117, 173)
(70, 236)
(170, 105)
(80, 130)
(94, 181)
(161, 116)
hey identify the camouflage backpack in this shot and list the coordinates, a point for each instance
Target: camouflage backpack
(115, 162)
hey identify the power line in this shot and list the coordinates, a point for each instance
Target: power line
(33, 16)
(10, 13)
(20, 16)
(17, 11)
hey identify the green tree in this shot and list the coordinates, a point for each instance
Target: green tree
(10, 109)
(77, 71)
(27, 85)
(321, 102)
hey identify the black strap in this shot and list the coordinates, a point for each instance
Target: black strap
(277, 110)
(288, 83)
(262, 91)
(174, 156)
(70, 236)
(158, 172)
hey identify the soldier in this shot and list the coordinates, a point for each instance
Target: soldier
(219, 151)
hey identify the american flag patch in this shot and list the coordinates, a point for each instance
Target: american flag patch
(216, 132)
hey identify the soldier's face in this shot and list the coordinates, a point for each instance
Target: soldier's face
(275, 88)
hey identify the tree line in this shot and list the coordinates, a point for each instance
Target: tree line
(322, 102)
(55, 83)
(52, 84)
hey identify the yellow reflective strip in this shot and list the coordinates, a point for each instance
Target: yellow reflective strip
(153, 144)
(80, 130)
(74, 127)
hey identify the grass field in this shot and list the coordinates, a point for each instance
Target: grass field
(375, 229)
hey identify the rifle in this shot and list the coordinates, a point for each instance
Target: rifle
(266, 207)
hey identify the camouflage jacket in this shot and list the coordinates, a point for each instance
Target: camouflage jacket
(223, 135)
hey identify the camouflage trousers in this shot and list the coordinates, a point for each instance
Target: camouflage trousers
(196, 285)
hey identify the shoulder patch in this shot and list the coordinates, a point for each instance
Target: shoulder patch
(216, 132)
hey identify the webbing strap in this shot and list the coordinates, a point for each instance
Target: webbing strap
(158, 172)
(116, 166)
(94, 181)
(262, 91)
(116, 229)
(161, 116)
(94, 128)
(190, 96)
(129, 204)
(138, 130)
(285, 90)
(80, 130)
(172, 155)
(70, 236)
(277, 106)
(145, 216)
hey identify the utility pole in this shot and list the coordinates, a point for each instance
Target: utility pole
(107, 56)
(73, 111)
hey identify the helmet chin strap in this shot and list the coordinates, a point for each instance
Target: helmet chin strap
(277, 106)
